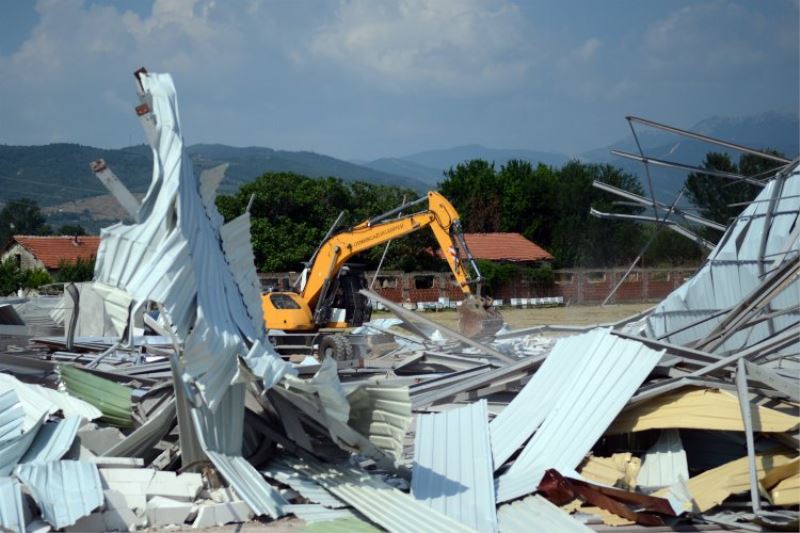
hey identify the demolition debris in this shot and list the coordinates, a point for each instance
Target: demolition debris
(152, 396)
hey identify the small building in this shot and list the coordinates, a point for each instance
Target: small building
(505, 247)
(31, 251)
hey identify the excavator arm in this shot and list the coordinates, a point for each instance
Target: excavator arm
(440, 216)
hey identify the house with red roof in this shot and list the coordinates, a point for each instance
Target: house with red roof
(504, 247)
(31, 251)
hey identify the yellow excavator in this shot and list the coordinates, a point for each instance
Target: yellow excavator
(328, 300)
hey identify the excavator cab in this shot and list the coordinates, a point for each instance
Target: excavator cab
(342, 306)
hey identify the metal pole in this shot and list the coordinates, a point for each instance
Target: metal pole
(385, 251)
(670, 164)
(747, 420)
(644, 248)
(707, 139)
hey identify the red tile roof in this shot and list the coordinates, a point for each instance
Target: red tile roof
(504, 247)
(51, 250)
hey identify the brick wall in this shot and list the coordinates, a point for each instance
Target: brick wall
(576, 286)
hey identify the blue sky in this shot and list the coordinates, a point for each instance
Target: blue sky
(370, 78)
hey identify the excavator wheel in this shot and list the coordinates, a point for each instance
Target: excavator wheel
(335, 346)
(477, 317)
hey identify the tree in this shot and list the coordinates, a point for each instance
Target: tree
(12, 278)
(71, 229)
(714, 194)
(22, 217)
(291, 214)
(78, 271)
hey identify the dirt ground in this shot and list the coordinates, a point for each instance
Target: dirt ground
(577, 315)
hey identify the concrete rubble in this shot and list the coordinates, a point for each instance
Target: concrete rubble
(165, 403)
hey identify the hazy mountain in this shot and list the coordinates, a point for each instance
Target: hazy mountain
(449, 157)
(57, 173)
(406, 167)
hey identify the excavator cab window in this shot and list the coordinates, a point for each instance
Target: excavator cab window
(283, 301)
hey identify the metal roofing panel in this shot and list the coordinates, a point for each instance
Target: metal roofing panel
(312, 512)
(12, 449)
(64, 490)
(175, 256)
(53, 440)
(453, 465)
(12, 517)
(605, 372)
(665, 463)
(12, 415)
(38, 400)
(378, 501)
(262, 498)
(732, 270)
(341, 525)
(307, 488)
(113, 399)
(145, 436)
(535, 513)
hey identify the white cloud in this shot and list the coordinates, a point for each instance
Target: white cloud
(470, 45)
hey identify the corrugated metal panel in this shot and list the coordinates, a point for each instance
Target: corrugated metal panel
(383, 414)
(664, 463)
(12, 517)
(732, 272)
(604, 372)
(38, 400)
(113, 399)
(312, 512)
(262, 498)
(308, 489)
(690, 407)
(535, 513)
(12, 449)
(378, 501)
(64, 490)
(140, 441)
(12, 415)
(453, 465)
(52, 441)
(174, 256)
(238, 248)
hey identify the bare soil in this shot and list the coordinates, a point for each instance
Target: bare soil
(575, 315)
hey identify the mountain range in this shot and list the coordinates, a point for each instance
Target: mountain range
(57, 176)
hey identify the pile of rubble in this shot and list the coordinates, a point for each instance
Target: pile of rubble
(165, 404)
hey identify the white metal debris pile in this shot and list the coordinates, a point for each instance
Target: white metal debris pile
(165, 403)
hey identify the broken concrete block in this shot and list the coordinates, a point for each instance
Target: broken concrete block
(164, 511)
(118, 516)
(219, 514)
(183, 487)
(132, 483)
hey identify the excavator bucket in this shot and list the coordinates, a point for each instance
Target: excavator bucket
(478, 318)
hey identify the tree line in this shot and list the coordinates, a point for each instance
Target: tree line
(550, 206)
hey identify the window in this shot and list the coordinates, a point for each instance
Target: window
(283, 301)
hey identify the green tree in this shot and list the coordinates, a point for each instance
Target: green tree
(714, 194)
(475, 188)
(77, 271)
(12, 278)
(71, 229)
(22, 217)
(291, 214)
